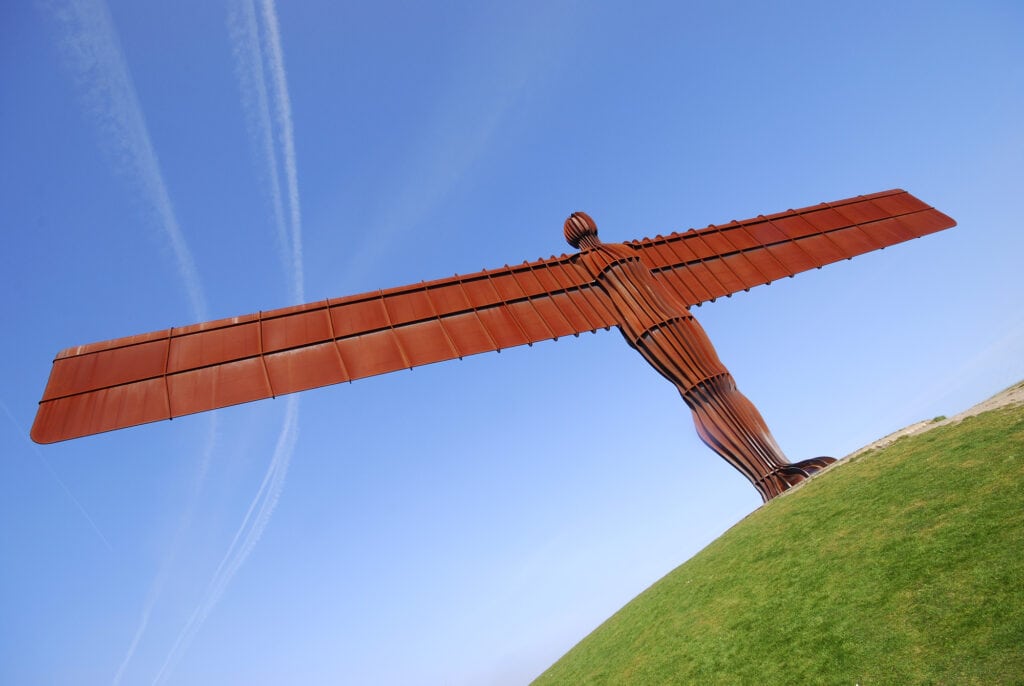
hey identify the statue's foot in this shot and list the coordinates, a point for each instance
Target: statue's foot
(814, 464)
(796, 472)
(783, 478)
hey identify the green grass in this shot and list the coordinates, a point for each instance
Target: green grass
(901, 566)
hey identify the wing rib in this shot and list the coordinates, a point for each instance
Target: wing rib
(718, 261)
(180, 371)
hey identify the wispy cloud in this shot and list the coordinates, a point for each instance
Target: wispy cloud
(246, 537)
(257, 50)
(184, 523)
(468, 117)
(90, 43)
(1000, 361)
(245, 44)
(20, 430)
(448, 153)
(283, 108)
(95, 58)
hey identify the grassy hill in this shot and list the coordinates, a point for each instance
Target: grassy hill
(903, 565)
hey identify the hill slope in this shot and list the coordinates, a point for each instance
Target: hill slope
(901, 565)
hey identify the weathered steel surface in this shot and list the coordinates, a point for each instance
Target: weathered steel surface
(659, 326)
(180, 371)
(174, 372)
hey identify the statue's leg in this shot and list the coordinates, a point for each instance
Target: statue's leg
(675, 344)
(731, 426)
(725, 419)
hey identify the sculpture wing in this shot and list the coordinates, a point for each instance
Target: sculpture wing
(180, 371)
(702, 265)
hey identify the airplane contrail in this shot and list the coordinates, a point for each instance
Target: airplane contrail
(258, 51)
(101, 74)
(94, 56)
(246, 537)
(184, 522)
(21, 431)
(245, 45)
(251, 48)
(283, 108)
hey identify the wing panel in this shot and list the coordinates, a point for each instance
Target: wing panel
(745, 271)
(533, 325)
(717, 244)
(213, 346)
(503, 327)
(931, 221)
(579, 319)
(410, 306)
(222, 385)
(795, 226)
(738, 237)
(725, 277)
(110, 367)
(507, 286)
(792, 256)
(468, 334)
(372, 354)
(862, 212)
(425, 343)
(153, 376)
(718, 261)
(689, 283)
(853, 240)
(556, 318)
(893, 230)
(123, 342)
(449, 298)
(825, 219)
(562, 274)
(527, 282)
(822, 249)
(767, 264)
(703, 279)
(480, 292)
(679, 285)
(300, 369)
(593, 304)
(696, 245)
(101, 410)
(215, 324)
(296, 329)
(765, 232)
(238, 359)
(900, 203)
(357, 316)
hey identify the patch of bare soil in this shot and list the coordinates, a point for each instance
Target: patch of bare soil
(1014, 395)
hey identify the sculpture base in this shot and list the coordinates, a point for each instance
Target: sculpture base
(792, 474)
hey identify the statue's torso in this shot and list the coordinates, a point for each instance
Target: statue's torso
(651, 318)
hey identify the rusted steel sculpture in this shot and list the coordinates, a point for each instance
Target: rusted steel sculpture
(659, 327)
(643, 287)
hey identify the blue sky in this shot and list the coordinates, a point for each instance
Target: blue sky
(468, 522)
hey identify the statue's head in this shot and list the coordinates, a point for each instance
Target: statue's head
(581, 230)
